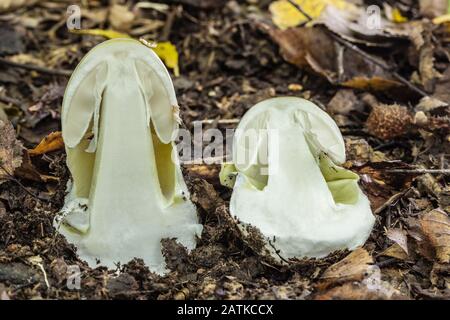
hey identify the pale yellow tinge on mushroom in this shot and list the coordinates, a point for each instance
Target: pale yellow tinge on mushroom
(126, 193)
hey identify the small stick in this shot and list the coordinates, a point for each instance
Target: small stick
(12, 178)
(364, 54)
(9, 100)
(390, 201)
(63, 73)
(169, 23)
(421, 171)
(221, 121)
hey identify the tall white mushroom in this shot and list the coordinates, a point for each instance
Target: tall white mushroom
(300, 200)
(119, 119)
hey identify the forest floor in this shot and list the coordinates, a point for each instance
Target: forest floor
(231, 55)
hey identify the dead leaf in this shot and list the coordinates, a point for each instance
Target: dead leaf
(395, 251)
(169, 54)
(441, 91)
(28, 171)
(121, 18)
(343, 102)
(9, 5)
(10, 151)
(428, 73)
(399, 236)
(25, 58)
(367, 285)
(52, 142)
(285, 15)
(436, 227)
(316, 50)
(354, 267)
(433, 8)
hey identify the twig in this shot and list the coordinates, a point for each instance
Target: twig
(63, 73)
(169, 23)
(390, 201)
(421, 171)
(12, 178)
(364, 54)
(9, 100)
(221, 121)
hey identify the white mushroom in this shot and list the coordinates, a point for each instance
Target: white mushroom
(300, 200)
(119, 119)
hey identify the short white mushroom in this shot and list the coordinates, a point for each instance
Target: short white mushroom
(300, 200)
(119, 119)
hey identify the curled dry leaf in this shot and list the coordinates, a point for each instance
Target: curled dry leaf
(50, 143)
(10, 151)
(436, 227)
(354, 267)
(343, 102)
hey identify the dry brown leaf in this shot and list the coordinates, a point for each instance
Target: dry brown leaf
(9, 5)
(121, 18)
(315, 49)
(51, 142)
(28, 171)
(436, 227)
(359, 291)
(343, 102)
(354, 267)
(433, 8)
(399, 236)
(395, 251)
(10, 151)
(380, 183)
(367, 286)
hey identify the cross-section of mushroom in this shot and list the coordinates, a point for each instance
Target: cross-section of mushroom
(119, 119)
(287, 182)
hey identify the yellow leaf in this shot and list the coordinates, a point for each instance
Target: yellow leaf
(110, 34)
(285, 15)
(165, 50)
(442, 19)
(169, 54)
(50, 143)
(398, 17)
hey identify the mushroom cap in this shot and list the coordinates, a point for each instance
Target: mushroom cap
(323, 127)
(82, 98)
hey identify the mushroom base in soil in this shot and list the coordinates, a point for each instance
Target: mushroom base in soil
(127, 192)
(300, 200)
